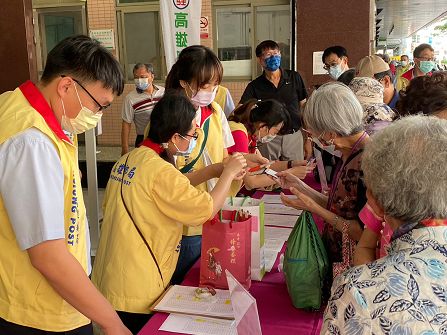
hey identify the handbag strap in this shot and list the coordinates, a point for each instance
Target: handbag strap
(135, 225)
(189, 166)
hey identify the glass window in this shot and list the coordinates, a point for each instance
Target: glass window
(55, 24)
(273, 23)
(240, 28)
(234, 40)
(140, 41)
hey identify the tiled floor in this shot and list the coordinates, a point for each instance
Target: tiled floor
(104, 154)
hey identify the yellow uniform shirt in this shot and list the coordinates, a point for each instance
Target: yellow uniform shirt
(26, 298)
(161, 200)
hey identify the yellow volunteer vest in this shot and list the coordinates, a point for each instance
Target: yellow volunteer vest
(215, 148)
(160, 200)
(234, 126)
(221, 96)
(26, 298)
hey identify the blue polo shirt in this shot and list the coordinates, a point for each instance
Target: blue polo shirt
(394, 101)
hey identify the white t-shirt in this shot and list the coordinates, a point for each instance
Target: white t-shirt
(228, 141)
(32, 188)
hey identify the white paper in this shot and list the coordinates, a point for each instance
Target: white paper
(318, 63)
(196, 325)
(277, 233)
(273, 245)
(270, 259)
(271, 199)
(280, 209)
(280, 220)
(181, 299)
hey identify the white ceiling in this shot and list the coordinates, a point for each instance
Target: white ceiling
(407, 17)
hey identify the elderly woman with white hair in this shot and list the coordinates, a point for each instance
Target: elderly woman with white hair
(334, 116)
(404, 292)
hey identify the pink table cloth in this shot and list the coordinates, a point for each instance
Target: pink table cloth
(276, 312)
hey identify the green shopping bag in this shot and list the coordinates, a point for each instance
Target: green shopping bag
(306, 264)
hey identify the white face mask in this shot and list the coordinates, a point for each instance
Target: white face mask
(404, 63)
(335, 71)
(142, 83)
(265, 139)
(85, 120)
(328, 148)
(204, 98)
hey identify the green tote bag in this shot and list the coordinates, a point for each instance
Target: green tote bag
(306, 264)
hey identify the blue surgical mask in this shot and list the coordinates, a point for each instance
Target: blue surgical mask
(335, 71)
(273, 63)
(142, 83)
(426, 66)
(191, 146)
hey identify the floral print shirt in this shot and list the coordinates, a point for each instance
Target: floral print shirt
(403, 293)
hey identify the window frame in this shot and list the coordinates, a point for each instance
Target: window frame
(40, 41)
(121, 11)
(252, 4)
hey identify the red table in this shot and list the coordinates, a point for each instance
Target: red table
(276, 312)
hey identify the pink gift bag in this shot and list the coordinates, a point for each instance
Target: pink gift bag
(226, 245)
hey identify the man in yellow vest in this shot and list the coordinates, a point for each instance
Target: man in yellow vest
(44, 239)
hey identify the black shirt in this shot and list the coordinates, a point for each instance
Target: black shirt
(290, 91)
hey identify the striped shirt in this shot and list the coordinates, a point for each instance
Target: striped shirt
(138, 107)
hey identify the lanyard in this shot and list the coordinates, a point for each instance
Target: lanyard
(340, 169)
(406, 227)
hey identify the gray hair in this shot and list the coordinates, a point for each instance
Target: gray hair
(404, 168)
(149, 67)
(333, 107)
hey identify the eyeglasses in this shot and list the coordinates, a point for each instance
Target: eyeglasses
(270, 54)
(195, 136)
(427, 59)
(328, 66)
(100, 107)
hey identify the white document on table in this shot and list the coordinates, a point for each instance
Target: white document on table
(273, 245)
(280, 209)
(271, 199)
(182, 299)
(270, 259)
(277, 233)
(196, 325)
(280, 220)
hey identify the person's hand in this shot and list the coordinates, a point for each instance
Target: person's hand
(301, 201)
(308, 150)
(255, 160)
(288, 180)
(298, 171)
(235, 165)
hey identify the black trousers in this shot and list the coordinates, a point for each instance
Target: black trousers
(134, 321)
(9, 328)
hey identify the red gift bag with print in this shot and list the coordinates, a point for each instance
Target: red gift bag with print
(226, 245)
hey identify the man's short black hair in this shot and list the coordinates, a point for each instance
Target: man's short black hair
(85, 60)
(266, 45)
(336, 49)
(418, 50)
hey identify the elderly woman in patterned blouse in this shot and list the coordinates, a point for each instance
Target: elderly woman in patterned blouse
(334, 117)
(404, 292)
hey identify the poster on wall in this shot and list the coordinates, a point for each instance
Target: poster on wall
(181, 26)
(204, 27)
(317, 63)
(104, 36)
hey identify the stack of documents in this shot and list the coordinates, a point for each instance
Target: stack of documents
(232, 312)
(279, 221)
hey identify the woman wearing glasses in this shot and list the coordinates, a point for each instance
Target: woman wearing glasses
(334, 116)
(147, 203)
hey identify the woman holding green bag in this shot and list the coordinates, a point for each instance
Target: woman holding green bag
(334, 116)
